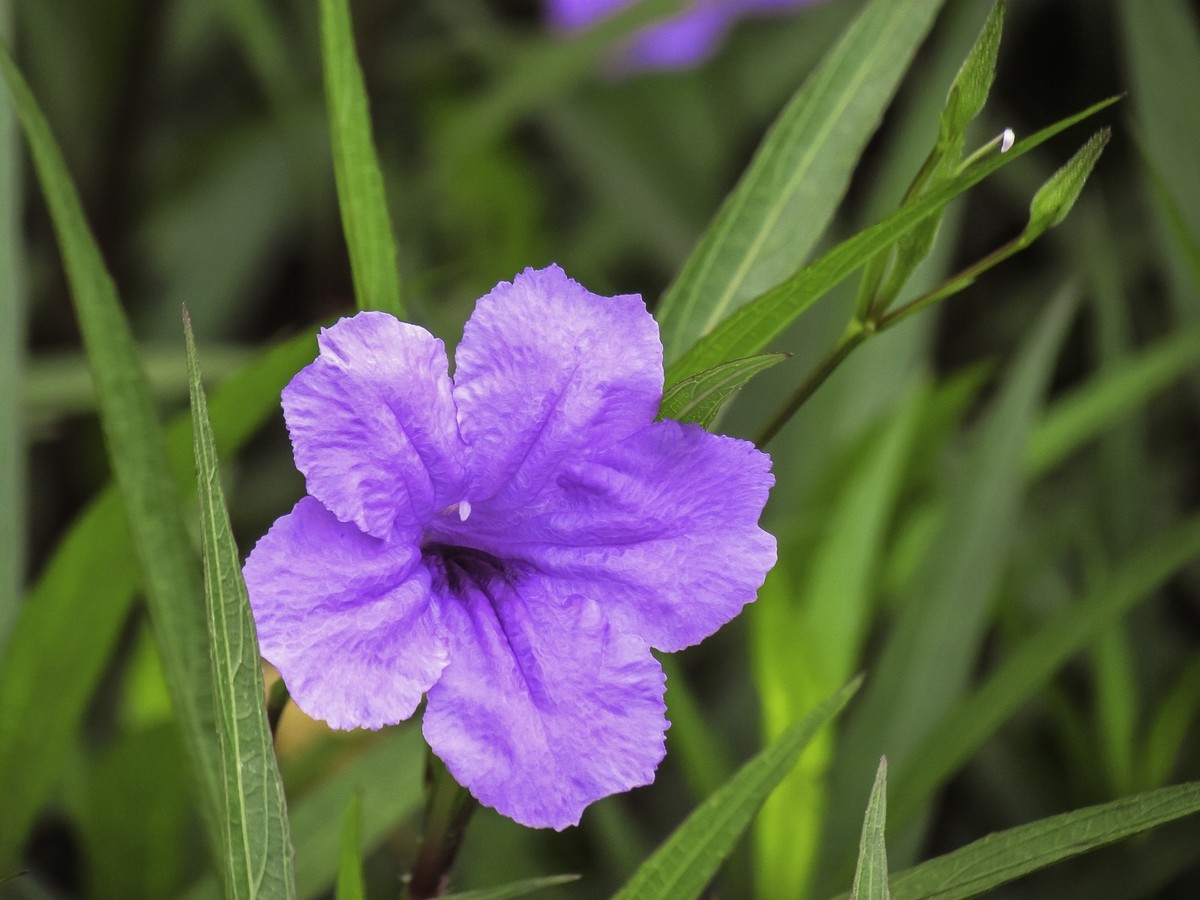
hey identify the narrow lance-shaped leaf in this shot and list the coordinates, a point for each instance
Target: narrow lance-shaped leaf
(350, 877)
(138, 454)
(971, 86)
(256, 839)
(926, 662)
(789, 193)
(689, 858)
(386, 774)
(1002, 857)
(1054, 199)
(699, 398)
(360, 187)
(871, 876)
(1105, 399)
(754, 325)
(999, 858)
(36, 725)
(1033, 664)
(967, 95)
(1049, 207)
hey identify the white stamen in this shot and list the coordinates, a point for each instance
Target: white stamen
(1007, 139)
(464, 510)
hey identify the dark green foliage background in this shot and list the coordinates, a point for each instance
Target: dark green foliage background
(198, 141)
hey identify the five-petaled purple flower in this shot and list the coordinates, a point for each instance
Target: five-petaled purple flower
(511, 541)
(684, 40)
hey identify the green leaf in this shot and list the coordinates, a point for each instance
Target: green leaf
(927, 661)
(12, 361)
(1105, 399)
(257, 845)
(788, 194)
(967, 95)
(754, 325)
(971, 86)
(700, 397)
(871, 877)
(350, 877)
(386, 775)
(1169, 729)
(81, 616)
(138, 454)
(1054, 199)
(1007, 855)
(689, 858)
(808, 628)
(515, 889)
(360, 187)
(1033, 663)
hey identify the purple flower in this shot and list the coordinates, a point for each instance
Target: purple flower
(511, 541)
(685, 40)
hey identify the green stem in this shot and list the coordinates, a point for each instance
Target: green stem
(855, 335)
(859, 331)
(954, 283)
(447, 811)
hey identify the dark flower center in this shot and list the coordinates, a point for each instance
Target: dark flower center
(457, 569)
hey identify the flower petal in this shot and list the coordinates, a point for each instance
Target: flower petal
(545, 706)
(373, 425)
(683, 41)
(662, 529)
(345, 617)
(548, 370)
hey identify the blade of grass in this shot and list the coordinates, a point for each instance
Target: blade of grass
(689, 858)
(1007, 855)
(748, 330)
(948, 745)
(81, 615)
(926, 662)
(257, 845)
(350, 877)
(138, 455)
(791, 189)
(871, 877)
(1104, 400)
(12, 354)
(362, 195)
(808, 636)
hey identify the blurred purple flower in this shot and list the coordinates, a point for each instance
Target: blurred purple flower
(512, 541)
(685, 40)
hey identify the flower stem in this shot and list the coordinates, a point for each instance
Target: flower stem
(854, 335)
(448, 807)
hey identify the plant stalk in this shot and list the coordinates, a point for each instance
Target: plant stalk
(448, 809)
